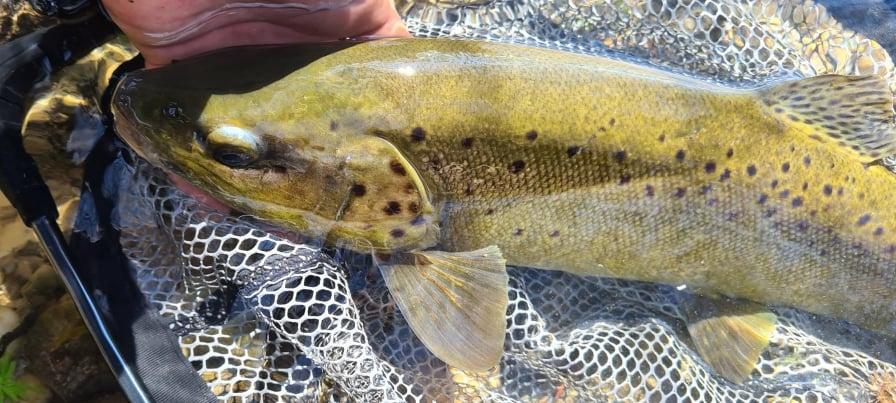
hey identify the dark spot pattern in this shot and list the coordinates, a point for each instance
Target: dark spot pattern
(414, 207)
(797, 201)
(785, 167)
(467, 143)
(624, 178)
(864, 219)
(418, 220)
(828, 190)
(726, 174)
(333, 125)
(397, 168)
(519, 231)
(807, 160)
(490, 211)
(619, 156)
(572, 151)
(878, 231)
(358, 190)
(516, 167)
(649, 191)
(531, 135)
(662, 138)
(397, 233)
(418, 134)
(762, 198)
(679, 155)
(710, 167)
(392, 208)
(555, 234)
(705, 189)
(729, 153)
(680, 192)
(784, 194)
(774, 183)
(751, 170)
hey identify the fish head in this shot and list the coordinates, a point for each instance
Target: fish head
(294, 169)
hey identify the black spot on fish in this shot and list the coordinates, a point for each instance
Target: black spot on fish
(784, 194)
(774, 183)
(414, 207)
(468, 190)
(762, 198)
(467, 143)
(679, 155)
(807, 160)
(828, 190)
(572, 151)
(840, 191)
(797, 201)
(490, 211)
(172, 110)
(531, 135)
(726, 174)
(779, 109)
(333, 125)
(731, 216)
(397, 168)
(516, 166)
(705, 189)
(710, 167)
(805, 185)
(751, 170)
(418, 134)
(392, 208)
(418, 220)
(785, 167)
(878, 231)
(555, 234)
(624, 178)
(409, 188)
(712, 202)
(802, 225)
(397, 233)
(648, 191)
(729, 153)
(770, 212)
(358, 190)
(863, 219)
(619, 156)
(612, 122)
(519, 231)
(680, 192)
(661, 138)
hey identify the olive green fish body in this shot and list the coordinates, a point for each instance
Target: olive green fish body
(601, 168)
(564, 162)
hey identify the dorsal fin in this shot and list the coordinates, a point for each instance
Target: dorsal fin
(853, 111)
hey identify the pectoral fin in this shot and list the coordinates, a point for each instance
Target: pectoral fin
(730, 335)
(454, 302)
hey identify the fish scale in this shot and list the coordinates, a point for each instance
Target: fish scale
(455, 156)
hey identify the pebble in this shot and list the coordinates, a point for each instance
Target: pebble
(9, 319)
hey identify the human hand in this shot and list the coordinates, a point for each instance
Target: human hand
(166, 30)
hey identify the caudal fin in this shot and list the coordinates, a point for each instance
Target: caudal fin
(855, 112)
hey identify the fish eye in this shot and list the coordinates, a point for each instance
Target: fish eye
(233, 146)
(233, 158)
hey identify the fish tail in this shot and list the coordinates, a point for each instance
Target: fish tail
(855, 112)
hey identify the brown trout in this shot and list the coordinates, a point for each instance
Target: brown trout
(444, 158)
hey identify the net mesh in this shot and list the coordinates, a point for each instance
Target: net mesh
(263, 316)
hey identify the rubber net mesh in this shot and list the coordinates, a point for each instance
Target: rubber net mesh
(264, 317)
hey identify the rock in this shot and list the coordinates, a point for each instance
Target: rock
(9, 319)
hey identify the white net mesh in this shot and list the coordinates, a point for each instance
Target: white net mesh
(263, 317)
